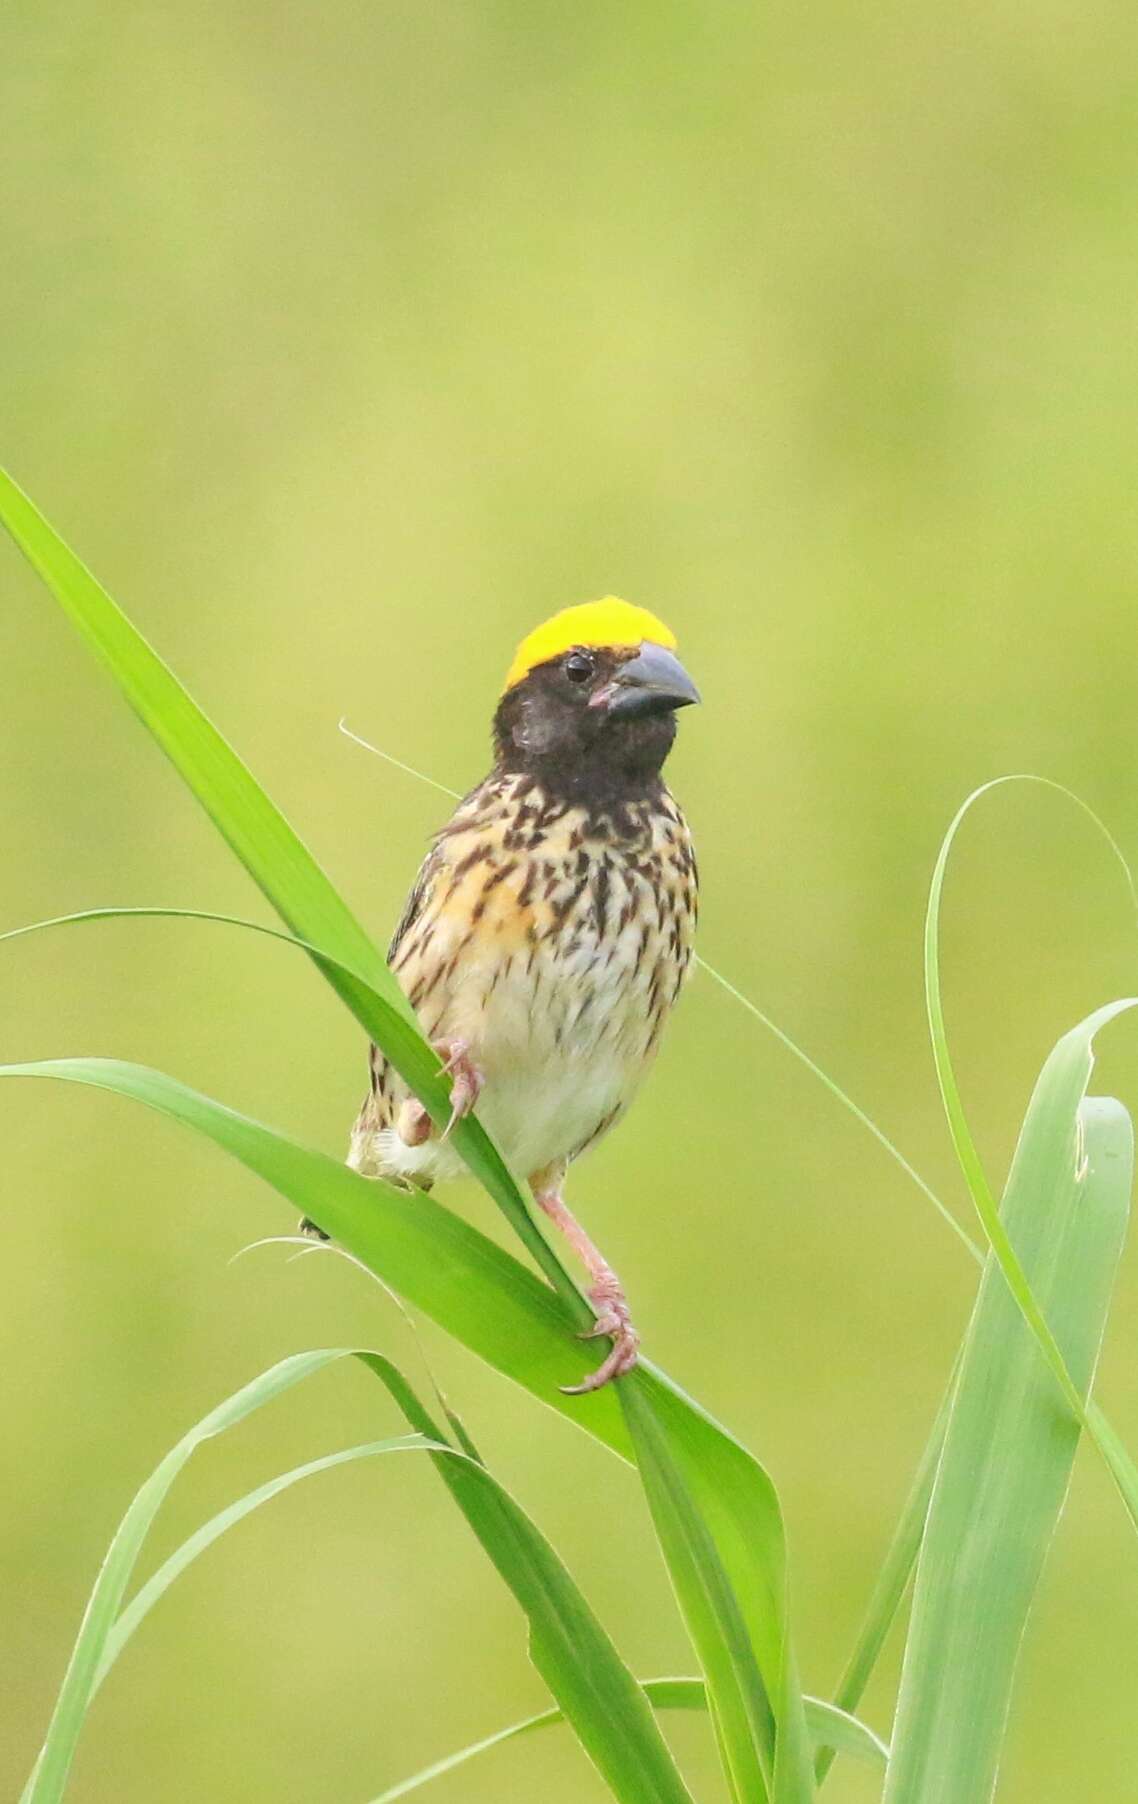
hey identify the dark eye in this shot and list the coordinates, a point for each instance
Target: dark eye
(579, 666)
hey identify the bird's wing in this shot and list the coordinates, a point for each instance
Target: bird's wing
(385, 1089)
(417, 900)
(416, 953)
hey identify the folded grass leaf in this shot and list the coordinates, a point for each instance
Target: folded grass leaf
(741, 1712)
(720, 1529)
(1008, 1451)
(1063, 1082)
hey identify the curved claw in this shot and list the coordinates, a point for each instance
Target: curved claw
(621, 1359)
(466, 1080)
(606, 1323)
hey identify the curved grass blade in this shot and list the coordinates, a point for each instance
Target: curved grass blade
(500, 1310)
(267, 846)
(172, 1568)
(370, 1009)
(82, 1676)
(746, 1713)
(470, 1286)
(271, 852)
(829, 1727)
(747, 1469)
(1008, 1453)
(1066, 1075)
(1074, 1064)
(595, 1690)
(159, 1583)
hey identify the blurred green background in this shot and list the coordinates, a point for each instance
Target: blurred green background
(346, 343)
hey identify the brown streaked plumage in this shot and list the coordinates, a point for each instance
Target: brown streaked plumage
(550, 929)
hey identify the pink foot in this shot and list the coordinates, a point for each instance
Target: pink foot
(466, 1080)
(414, 1123)
(613, 1319)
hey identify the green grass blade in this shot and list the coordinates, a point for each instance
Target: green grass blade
(487, 1300)
(82, 1676)
(1068, 1073)
(595, 1691)
(1072, 1071)
(1008, 1452)
(741, 1711)
(573, 1653)
(271, 852)
(731, 1495)
(829, 1727)
(157, 1585)
(459, 1277)
(267, 846)
(843, 1733)
(892, 1582)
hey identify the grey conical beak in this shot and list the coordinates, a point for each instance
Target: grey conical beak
(653, 682)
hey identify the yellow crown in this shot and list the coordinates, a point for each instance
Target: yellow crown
(610, 622)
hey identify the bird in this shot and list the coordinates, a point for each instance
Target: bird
(550, 929)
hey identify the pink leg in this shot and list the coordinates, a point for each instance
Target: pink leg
(605, 1290)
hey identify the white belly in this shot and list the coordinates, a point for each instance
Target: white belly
(561, 1048)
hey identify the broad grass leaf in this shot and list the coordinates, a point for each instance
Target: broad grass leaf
(1009, 1448)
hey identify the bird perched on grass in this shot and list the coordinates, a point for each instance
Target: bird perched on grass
(550, 928)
